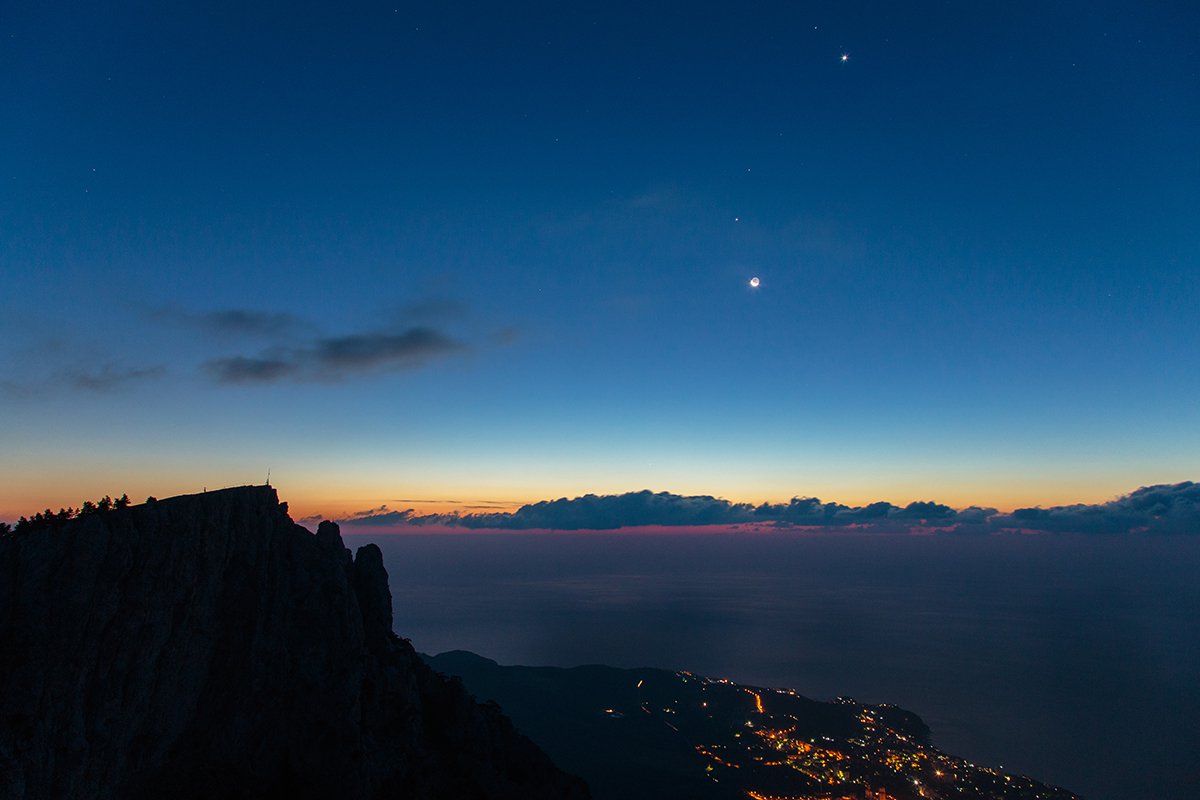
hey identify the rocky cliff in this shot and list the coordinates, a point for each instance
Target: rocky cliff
(207, 646)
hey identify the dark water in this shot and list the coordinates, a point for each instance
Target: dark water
(1074, 660)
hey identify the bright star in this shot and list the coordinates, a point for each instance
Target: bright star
(754, 282)
(845, 57)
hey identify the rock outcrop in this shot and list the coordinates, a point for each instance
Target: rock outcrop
(207, 646)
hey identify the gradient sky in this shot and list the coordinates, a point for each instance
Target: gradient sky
(494, 253)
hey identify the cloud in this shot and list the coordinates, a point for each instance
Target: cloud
(1167, 508)
(15, 389)
(435, 308)
(1158, 509)
(337, 357)
(371, 350)
(382, 516)
(231, 321)
(238, 320)
(296, 350)
(111, 377)
(974, 515)
(617, 511)
(644, 508)
(666, 199)
(240, 369)
(506, 335)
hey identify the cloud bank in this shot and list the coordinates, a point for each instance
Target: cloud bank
(1168, 508)
(1151, 509)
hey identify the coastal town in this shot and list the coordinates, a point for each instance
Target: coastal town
(774, 744)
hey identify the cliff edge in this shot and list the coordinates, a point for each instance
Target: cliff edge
(207, 646)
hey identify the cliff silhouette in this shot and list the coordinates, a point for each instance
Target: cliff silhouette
(207, 646)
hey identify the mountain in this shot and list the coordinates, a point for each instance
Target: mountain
(207, 646)
(643, 734)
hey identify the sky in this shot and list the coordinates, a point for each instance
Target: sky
(462, 256)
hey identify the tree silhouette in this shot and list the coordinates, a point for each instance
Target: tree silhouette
(52, 519)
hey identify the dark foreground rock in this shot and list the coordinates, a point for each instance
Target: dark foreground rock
(207, 646)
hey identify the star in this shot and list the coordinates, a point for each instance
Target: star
(845, 57)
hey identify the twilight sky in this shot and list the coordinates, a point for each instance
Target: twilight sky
(450, 255)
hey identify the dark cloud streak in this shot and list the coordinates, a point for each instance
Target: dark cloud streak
(107, 378)
(336, 358)
(247, 322)
(240, 369)
(111, 377)
(230, 322)
(372, 350)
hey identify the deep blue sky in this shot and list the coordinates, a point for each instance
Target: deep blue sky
(500, 252)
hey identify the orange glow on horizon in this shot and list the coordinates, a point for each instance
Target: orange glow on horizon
(339, 496)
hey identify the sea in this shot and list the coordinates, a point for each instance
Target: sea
(1072, 659)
